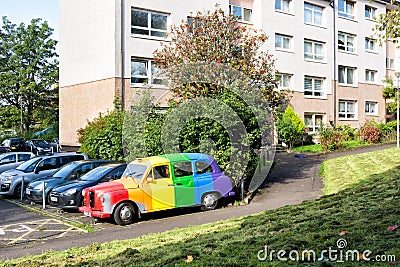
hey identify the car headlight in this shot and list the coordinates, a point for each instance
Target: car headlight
(39, 186)
(70, 192)
(8, 178)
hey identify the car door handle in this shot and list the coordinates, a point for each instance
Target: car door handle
(178, 184)
(170, 185)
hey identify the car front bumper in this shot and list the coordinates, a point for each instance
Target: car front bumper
(87, 211)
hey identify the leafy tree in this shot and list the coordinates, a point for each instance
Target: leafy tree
(388, 24)
(290, 127)
(214, 57)
(29, 71)
(389, 93)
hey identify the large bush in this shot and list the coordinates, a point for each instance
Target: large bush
(332, 137)
(102, 137)
(290, 127)
(371, 132)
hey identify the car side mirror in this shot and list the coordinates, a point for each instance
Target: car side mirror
(149, 180)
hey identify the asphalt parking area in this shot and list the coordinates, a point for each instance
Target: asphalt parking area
(38, 230)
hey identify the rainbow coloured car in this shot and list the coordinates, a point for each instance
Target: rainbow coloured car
(159, 183)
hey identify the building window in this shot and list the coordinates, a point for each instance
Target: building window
(369, 12)
(370, 75)
(283, 80)
(313, 86)
(313, 14)
(370, 44)
(347, 109)
(313, 122)
(283, 5)
(346, 42)
(346, 75)
(371, 108)
(283, 42)
(243, 14)
(144, 71)
(390, 63)
(148, 23)
(346, 9)
(313, 50)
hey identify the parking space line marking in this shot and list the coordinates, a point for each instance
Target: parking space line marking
(29, 232)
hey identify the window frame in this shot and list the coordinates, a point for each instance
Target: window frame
(149, 27)
(281, 9)
(314, 127)
(241, 18)
(345, 13)
(313, 90)
(313, 54)
(390, 63)
(368, 42)
(346, 114)
(372, 12)
(281, 79)
(368, 76)
(345, 83)
(313, 12)
(150, 76)
(375, 108)
(346, 42)
(283, 36)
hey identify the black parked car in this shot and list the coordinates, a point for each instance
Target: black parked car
(39, 146)
(69, 196)
(12, 144)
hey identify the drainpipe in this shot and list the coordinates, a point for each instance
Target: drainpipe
(333, 5)
(122, 54)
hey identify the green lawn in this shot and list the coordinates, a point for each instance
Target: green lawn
(362, 213)
(317, 148)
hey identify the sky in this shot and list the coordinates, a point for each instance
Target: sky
(18, 11)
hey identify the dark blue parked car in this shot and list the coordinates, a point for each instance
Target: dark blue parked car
(69, 196)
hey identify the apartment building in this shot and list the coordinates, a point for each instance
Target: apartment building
(325, 50)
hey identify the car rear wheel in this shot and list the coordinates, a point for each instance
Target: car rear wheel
(209, 201)
(124, 213)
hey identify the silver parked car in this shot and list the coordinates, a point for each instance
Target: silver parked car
(41, 166)
(12, 160)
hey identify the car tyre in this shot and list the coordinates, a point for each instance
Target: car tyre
(209, 201)
(124, 213)
(17, 190)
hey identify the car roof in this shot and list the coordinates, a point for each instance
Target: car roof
(178, 157)
(63, 155)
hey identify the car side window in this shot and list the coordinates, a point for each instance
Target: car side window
(203, 167)
(79, 171)
(8, 159)
(115, 174)
(183, 169)
(160, 172)
(23, 157)
(48, 164)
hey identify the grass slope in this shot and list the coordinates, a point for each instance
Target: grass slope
(364, 211)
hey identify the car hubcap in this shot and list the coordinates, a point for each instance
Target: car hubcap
(209, 201)
(126, 213)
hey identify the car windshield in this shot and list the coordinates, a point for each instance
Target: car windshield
(95, 174)
(65, 170)
(135, 170)
(40, 142)
(29, 165)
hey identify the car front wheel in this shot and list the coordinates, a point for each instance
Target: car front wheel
(124, 214)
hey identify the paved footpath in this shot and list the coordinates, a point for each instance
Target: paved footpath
(291, 181)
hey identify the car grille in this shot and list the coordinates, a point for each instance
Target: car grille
(91, 199)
